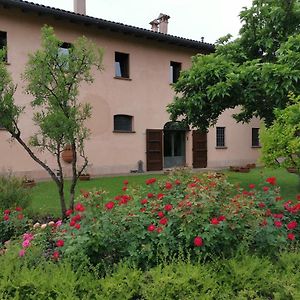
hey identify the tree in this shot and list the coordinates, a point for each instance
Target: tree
(254, 72)
(53, 78)
(281, 141)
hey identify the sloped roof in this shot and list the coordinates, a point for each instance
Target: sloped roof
(108, 25)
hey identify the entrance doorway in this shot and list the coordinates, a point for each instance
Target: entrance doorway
(174, 145)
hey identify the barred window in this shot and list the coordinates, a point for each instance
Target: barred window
(255, 137)
(123, 123)
(220, 137)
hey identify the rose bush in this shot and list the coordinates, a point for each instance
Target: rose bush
(190, 216)
(183, 215)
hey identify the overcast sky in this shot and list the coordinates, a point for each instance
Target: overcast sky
(189, 18)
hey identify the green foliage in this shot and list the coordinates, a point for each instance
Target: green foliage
(159, 221)
(242, 277)
(254, 72)
(281, 141)
(53, 79)
(13, 193)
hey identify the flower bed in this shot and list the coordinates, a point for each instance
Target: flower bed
(182, 216)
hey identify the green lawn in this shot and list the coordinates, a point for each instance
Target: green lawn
(45, 198)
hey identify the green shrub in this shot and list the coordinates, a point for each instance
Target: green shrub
(241, 277)
(12, 193)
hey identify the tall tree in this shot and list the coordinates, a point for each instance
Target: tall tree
(254, 72)
(53, 75)
(281, 141)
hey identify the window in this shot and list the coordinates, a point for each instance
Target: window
(220, 137)
(255, 137)
(175, 68)
(63, 52)
(121, 65)
(123, 123)
(3, 43)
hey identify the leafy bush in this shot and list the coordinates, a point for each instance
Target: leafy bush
(12, 192)
(12, 224)
(184, 216)
(240, 277)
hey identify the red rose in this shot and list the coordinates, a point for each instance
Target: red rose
(177, 182)
(168, 207)
(60, 243)
(77, 226)
(69, 212)
(79, 207)
(72, 223)
(278, 224)
(292, 225)
(151, 227)
(18, 208)
(265, 188)
(278, 198)
(20, 216)
(110, 205)
(251, 186)
(150, 181)
(76, 218)
(291, 236)
(163, 221)
(144, 201)
(159, 230)
(298, 197)
(6, 217)
(124, 188)
(214, 221)
(150, 195)
(264, 223)
(160, 214)
(160, 196)
(55, 255)
(125, 182)
(271, 180)
(168, 185)
(198, 242)
(143, 209)
(7, 212)
(221, 218)
(277, 216)
(261, 205)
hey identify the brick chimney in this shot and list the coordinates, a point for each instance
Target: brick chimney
(80, 7)
(160, 24)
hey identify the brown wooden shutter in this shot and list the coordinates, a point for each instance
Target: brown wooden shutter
(154, 149)
(199, 149)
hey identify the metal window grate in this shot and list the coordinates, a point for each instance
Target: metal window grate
(255, 137)
(220, 137)
(123, 123)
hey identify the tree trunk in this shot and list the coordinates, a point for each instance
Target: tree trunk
(74, 177)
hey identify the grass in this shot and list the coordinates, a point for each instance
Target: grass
(45, 199)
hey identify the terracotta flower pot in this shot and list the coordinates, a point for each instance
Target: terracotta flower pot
(84, 177)
(67, 155)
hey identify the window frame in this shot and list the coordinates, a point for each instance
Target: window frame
(221, 136)
(255, 138)
(175, 69)
(123, 70)
(120, 129)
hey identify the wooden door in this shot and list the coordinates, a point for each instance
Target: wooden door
(199, 149)
(154, 149)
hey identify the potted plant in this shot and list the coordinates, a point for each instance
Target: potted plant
(85, 175)
(28, 182)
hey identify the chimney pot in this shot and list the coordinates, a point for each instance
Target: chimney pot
(160, 24)
(80, 7)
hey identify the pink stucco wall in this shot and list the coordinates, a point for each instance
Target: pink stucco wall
(144, 97)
